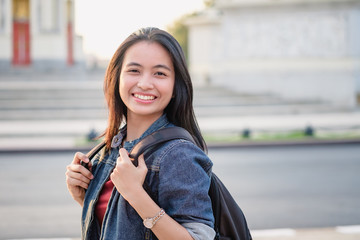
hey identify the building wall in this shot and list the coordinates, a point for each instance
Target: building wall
(5, 32)
(206, 56)
(48, 34)
(305, 51)
(48, 30)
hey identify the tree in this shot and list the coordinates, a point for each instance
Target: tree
(180, 31)
(209, 3)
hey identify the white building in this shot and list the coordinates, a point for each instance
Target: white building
(38, 34)
(297, 49)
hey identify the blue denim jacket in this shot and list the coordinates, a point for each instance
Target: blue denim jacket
(178, 180)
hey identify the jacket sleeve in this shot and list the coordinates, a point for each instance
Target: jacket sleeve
(184, 183)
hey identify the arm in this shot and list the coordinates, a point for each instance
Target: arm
(78, 177)
(128, 180)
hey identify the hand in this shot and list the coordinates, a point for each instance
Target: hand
(127, 178)
(78, 177)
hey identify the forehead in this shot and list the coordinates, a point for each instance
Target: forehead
(148, 53)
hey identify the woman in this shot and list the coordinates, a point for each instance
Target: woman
(147, 86)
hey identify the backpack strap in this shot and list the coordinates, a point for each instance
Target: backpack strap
(149, 142)
(95, 150)
(156, 138)
(91, 154)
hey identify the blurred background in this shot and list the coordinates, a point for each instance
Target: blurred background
(276, 94)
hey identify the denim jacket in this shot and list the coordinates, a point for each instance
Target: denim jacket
(177, 179)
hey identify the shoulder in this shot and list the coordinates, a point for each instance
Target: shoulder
(182, 152)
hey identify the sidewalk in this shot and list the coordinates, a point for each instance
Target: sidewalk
(65, 134)
(337, 233)
(284, 122)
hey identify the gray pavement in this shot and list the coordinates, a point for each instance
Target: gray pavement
(301, 189)
(338, 233)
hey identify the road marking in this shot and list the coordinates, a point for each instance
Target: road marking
(281, 232)
(348, 229)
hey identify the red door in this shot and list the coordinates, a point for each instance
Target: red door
(21, 32)
(21, 43)
(70, 31)
(70, 58)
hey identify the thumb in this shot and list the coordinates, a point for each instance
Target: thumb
(141, 162)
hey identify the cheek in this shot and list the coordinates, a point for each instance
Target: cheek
(122, 88)
(172, 87)
(168, 89)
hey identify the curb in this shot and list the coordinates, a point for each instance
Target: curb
(289, 143)
(211, 145)
(351, 232)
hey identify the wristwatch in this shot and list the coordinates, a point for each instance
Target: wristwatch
(150, 222)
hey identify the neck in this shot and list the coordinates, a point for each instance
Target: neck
(136, 126)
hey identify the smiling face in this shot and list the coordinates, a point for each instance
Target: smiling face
(147, 80)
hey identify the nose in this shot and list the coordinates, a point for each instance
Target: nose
(145, 82)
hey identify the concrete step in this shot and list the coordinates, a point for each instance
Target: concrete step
(93, 109)
(52, 114)
(37, 99)
(52, 107)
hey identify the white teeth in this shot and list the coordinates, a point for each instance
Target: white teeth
(142, 97)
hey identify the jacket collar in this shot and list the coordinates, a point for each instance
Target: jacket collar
(158, 124)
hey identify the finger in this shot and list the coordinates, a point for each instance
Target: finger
(80, 169)
(141, 162)
(77, 176)
(112, 176)
(77, 183)
(123, 152)
(123, 155)
(79, 156)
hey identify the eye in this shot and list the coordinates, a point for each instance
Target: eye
(133, 71)
(160, 74)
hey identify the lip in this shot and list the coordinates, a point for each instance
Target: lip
(145, 97)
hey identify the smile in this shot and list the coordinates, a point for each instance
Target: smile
(144, 97)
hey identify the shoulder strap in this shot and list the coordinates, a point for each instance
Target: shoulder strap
(150, 141)
(91, 154)
(159, 137)
(95, 150)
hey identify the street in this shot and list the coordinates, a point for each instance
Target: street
(276, 187)
(293, 187)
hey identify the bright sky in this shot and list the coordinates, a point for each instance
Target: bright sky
(104, 24)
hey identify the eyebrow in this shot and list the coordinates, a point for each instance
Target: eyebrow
(162, 66)
(133, 64)
(156, 66)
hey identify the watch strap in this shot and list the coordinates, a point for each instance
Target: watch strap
(153, 220)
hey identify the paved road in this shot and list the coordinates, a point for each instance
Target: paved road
(276, 187)
(294, 187)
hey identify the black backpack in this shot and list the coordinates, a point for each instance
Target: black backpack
(230, 222)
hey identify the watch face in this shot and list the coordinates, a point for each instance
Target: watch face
(148, 223)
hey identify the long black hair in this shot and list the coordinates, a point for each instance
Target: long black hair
(180, 108)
